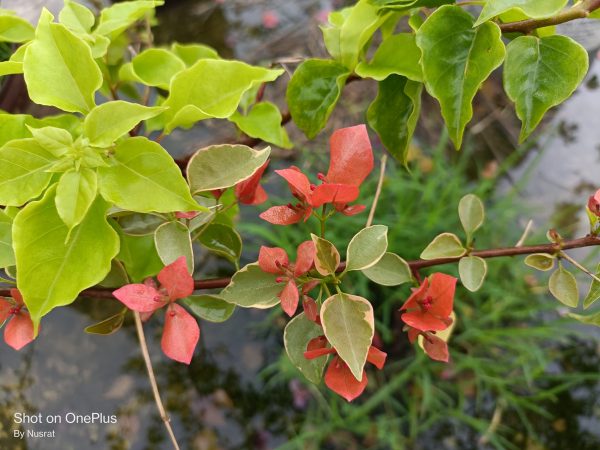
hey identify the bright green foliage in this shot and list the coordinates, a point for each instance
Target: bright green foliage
(156, 67)
(540, 73)
(592, 319)
(118, 17)
(108, 326)
(472, 270)
(209, 307)
(471, 214)
(395, 112)
(536, 9)
(298, 332)
(191, 53)
(108, 122)
(263, 121)
(57, 141)
(367, 247)
(390, 270)
(252, 288)
(140, 224)
(563, 286)
(52, 269)
(58, 58)
(327, 258)
(403, 5)
(349, 325)
(24, 171)
(139, 256)
(445, 245)
(398, 54)
(593, 294)
(222, 166)
(143, 177)
(7, 255)
(455, 68)
(14, 28)
(75, 194)
(313, 92)
(77, 17)
(540, 261)
(222, 240)
(172, 240)
(211, 88)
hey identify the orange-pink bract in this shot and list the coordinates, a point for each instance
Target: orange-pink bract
(19, 329)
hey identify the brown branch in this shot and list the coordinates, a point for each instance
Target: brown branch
(551, 249)
(580, 11)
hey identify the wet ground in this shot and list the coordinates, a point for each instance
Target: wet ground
(221, 401)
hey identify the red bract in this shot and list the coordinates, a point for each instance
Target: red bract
(275, 260)
(594, 203)
(435, 347)
(181, 331)
(338, 377)
(429, 307)
(19, 330)
(350, 163)
(250, 192)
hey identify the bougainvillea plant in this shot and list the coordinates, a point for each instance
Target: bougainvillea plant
(92, 203)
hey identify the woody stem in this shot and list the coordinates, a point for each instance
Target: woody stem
(159, 405)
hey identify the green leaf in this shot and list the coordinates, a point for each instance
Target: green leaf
(108, 122)
(296, 336)
(192, 53)
(263, 121)
(471, 213)
(445, 245)
(457, 59)
(402, 5)
(77, 17)
(394, 114)
(53, 270)
(222, 240)
(349, 325)
(23, 176)
(540, 73)
(59, 68)
(7, 255)
(156, 67)
(14, 28)
(357, 30)
(399, 55)
(327, 258)
(563, 286)
(172, 240)
(594, 293)
(211, 88)
(390, 270)
(108, 326)
(118, 17)
(540, 261)
(75, 194)
(57, 141)
(144, 178)
(313, 92)
(223, 166)
(140, 224)
(592, 319)
(472, 270)
(209, 307)
(252, 288)
(367, 247)
(139, 256)
(117, 276)
(10, 68)
(534, 9)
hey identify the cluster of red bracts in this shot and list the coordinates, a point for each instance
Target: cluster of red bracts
(181, 331)
(19, 328)
(428, 310)
(351, 161)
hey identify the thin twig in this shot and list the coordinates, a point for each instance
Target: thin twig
(159, 405)
(378, 191)
(521, 241)
(578, 265)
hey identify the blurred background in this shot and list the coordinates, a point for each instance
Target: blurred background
(521, 375)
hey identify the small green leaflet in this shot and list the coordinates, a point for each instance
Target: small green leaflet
(172, 240)
(298, 332)
(534, 9)
(252, 288)
(367, 247)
